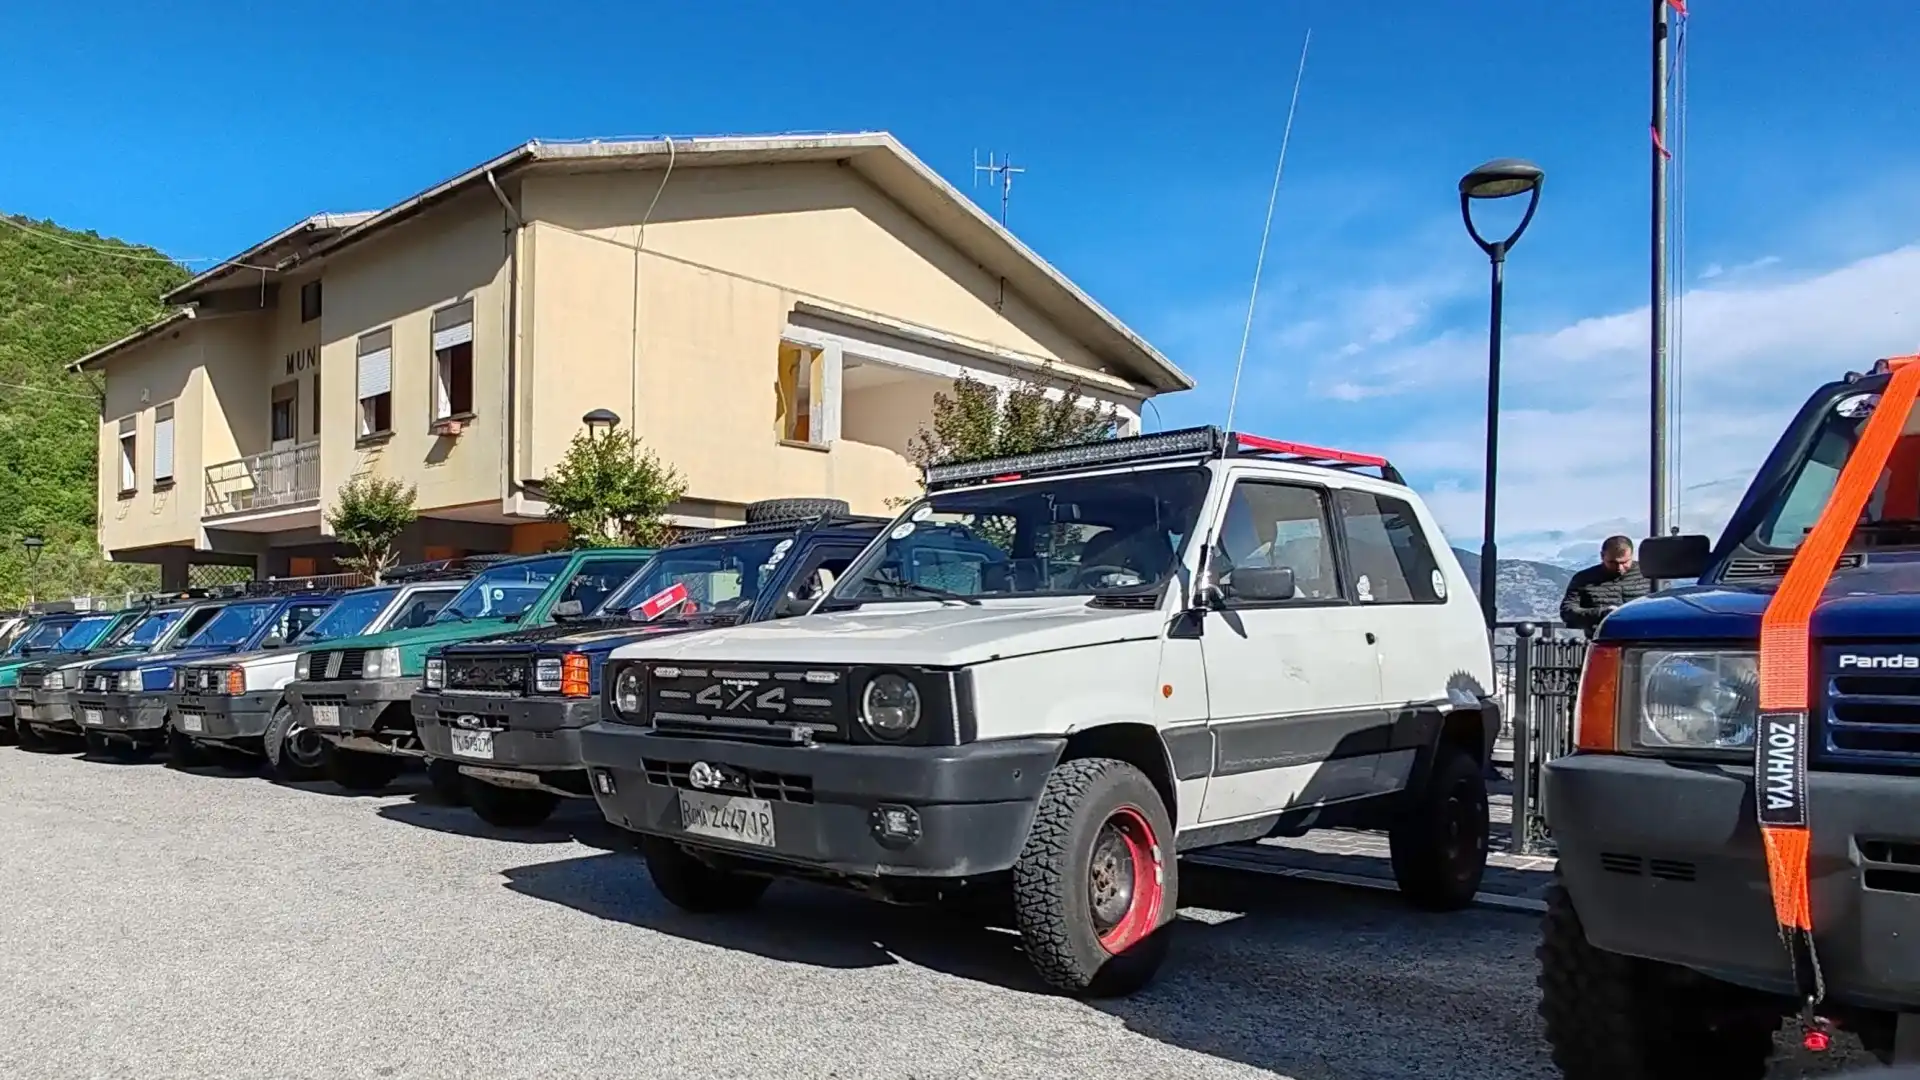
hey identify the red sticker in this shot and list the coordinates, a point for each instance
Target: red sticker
(663, 601)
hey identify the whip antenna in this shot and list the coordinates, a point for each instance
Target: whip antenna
(1273, 198)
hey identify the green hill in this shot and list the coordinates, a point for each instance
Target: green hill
(62, 294)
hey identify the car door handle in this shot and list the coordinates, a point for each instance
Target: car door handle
(1371, 640)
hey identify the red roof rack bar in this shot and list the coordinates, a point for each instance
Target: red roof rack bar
(1312, 454)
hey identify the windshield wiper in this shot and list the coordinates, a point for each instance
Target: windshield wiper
(456, 613)
(931, 590)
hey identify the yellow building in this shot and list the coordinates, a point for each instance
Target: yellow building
(772, 315)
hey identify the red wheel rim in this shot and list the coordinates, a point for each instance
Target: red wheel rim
(1143, 878)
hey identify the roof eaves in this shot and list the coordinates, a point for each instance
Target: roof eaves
(100, 354)
(245, 260)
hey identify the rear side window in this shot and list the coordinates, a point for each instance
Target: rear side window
(1392, 561)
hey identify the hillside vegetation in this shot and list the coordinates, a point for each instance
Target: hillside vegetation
(62, 294)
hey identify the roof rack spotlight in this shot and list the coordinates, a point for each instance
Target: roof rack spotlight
(1196, 443)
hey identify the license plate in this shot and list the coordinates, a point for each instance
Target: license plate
(475, 744)
(326, 716)
(746, 821)
(191, 722)
(92, 716)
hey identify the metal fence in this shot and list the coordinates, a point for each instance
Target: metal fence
(214, 575)
(1537, 666)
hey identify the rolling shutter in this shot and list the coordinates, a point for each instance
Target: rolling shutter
(376, 364)
(163, 443)
(453, 326)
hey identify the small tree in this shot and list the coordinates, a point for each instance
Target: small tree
(369, 517)
(611, 493)
(976, 421)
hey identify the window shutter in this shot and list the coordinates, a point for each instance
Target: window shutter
(376, 364)
(453, 326)
(163, 443)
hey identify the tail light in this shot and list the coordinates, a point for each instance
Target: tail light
(575, 676)
(1597, 719)
(236, 681)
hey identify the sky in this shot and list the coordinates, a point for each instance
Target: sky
(1149, 132)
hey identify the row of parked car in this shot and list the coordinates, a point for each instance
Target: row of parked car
(1034, 687)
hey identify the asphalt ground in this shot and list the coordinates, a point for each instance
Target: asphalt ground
(158, 924)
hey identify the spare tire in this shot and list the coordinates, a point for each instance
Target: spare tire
(788, 509)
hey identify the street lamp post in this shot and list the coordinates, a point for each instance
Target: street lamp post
(33, 544)
(600, 421)
(1498, 179)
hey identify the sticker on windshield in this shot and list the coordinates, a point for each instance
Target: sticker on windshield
(923, 513)
(1857, 406)
(902, 530)
(1365, 585)
(663, 601)
(781, 547)
(1439, 585)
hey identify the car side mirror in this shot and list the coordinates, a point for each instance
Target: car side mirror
(1669, 558)
(1260, 583)
(273, 641)
(567, 609)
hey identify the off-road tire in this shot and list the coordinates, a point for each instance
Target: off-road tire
(277, 742)
(692, 885)
(1052, 898)
(28, 738)
(1439, 838)
(789, 509)
(444, 778)
(510, 808)
(182, 751)
(96, 744)
(359, 771)
(7, 733)
(1612, 1017)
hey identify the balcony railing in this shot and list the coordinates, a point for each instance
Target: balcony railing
(267, 481)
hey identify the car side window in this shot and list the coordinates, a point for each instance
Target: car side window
(823, 566)
(1391, 560)
(597, 579)
(422, 607)
(1271, 525)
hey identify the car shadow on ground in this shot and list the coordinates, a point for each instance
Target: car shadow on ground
(575, 820)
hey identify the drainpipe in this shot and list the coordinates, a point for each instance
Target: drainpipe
(511, 401)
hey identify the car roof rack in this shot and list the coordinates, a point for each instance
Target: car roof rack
(1195, 443)
(777, 525)
(443, 569)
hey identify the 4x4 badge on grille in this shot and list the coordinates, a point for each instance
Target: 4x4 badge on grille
(704, 776)
(734, 695)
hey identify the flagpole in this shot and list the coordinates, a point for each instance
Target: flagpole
(1657, 404)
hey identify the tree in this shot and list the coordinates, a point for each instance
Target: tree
(611, 493)
(976, 421)
(369, 516)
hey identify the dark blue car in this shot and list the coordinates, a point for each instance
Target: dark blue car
(506, 712)
(122, 702)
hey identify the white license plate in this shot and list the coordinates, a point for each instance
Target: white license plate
(326, 716)
(92, 716)
(475, 744)
(746, 821)
(192, 722)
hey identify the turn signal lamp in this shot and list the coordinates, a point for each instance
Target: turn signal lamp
(1597, 723)
(575, 676)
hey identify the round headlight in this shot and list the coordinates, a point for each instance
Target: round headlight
(890, 707)
(627, 693)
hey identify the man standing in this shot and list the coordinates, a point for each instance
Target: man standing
(1596, 591)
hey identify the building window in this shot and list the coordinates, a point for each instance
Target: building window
(375, 383)
(453, 361)
(284, 423)
(798, 406)
(309, 301)
(129, 468)
(316, 403)
(163, 445)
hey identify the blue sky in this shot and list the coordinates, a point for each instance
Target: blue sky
(1149, 132)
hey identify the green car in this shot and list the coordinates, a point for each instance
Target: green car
(63, 632)
(357, 693)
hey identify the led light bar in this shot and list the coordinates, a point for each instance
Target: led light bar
(1198, 442)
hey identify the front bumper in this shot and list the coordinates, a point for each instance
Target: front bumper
(1664, 860)
(973, 803)
(143, 712)
(224, 718)
(535, 736)
(47, 710)
(358, 714)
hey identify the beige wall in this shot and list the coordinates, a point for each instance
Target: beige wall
(167, 369)
(890, 414)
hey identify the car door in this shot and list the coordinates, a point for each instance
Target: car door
(1293, 683)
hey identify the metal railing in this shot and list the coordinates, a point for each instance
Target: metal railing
(1537, 666)
(264, 481)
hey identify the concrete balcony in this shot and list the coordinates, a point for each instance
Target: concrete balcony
(265, 484)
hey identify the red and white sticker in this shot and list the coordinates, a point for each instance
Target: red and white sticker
(663, 601)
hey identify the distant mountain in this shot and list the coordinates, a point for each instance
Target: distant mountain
(1525, 589)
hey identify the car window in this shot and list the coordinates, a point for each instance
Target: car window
(234, 626)
(191, 626)
(152, 628)
(1391, 560)
(349, 616)
(597, 579)
(420, 608)
(504, 591)
(83, 633)
(1272, 525)
(814, 577)
(296, 618)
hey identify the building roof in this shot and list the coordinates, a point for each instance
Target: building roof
(877, 156)
(152, 329)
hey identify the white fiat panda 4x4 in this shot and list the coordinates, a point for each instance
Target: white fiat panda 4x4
(1055, 673)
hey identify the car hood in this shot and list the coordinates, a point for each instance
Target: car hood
(911, 632)
(131, 661)
(596, 636)
(285, 652)
(1877, 601)
(431, 634)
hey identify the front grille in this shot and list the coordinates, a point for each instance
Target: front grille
(344, 664)
(1760, 567)
(752, 783)
(1871, 714)
(489, 674)
(31, 679)
(203, 680)
(757, 702)
(101, 683)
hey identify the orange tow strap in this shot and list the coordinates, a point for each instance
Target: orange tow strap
(1786, 664)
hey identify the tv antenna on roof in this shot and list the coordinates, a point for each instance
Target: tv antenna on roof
(1273, 197)
(1002, 172)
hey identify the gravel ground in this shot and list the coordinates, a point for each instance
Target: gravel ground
(164, 924)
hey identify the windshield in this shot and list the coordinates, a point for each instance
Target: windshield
(348, 617)
(46, 635)
(503, 591)
(1892, 515)
(83, 633)
(152, 628)
(1073, 535)
(234, 625)
(725, 575)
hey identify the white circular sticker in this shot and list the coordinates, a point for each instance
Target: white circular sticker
(1439, 585)
(902, 530)
(923, 513)
(1365, 585)
(783, 545)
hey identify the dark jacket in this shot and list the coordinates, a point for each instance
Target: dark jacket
(1595, 591)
